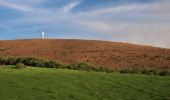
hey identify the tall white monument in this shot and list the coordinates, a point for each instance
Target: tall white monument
(42, 35)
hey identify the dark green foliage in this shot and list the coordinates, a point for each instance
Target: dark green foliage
(25, 60)
(147, 71)
(88, 67)
(164, 73)
(30, 61)
(3, 60)
(104, 69)
(53, 64)
(82, 66)
(20, 66)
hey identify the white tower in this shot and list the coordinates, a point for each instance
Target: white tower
(42, 35)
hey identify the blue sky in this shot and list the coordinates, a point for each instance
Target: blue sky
(135, 21)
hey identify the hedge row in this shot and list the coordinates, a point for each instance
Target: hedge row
(29, 61)
(146, 71)
(36, 62)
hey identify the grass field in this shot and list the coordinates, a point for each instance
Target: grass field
(59, 84)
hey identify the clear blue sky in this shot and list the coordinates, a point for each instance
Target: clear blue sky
(135, 21)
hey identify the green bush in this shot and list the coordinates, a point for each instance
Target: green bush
(81, 66)
(164, 73)
(36, 62)
(123, 71)
(31, 61)
(146, 71)
(11, 61)
(20, 66)
(53, 64)
(3, 60)
(88, 67)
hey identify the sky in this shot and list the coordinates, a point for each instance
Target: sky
(145, 22)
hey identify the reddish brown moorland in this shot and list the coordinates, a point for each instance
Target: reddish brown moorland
(102, 53)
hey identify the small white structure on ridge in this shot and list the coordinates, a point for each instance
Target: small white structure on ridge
(42, 35)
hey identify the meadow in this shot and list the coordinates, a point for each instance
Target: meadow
(33, 83)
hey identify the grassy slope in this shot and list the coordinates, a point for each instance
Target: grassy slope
(49, 84)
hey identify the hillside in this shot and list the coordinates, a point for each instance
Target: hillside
(109, 54)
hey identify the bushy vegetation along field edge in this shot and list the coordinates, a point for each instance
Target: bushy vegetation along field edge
(38, 62)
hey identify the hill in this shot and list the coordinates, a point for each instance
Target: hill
(102, 53)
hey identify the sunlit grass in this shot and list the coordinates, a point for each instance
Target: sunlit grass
(33, 83)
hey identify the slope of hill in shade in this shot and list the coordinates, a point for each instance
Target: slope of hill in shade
(102, 53)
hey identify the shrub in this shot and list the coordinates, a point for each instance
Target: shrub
(81, 66)
(21, 62)
(3, 60)
(146, 71)
(123, 71)
(11, 61)
(88, 67)
(31, 61)
(37, 62)
(20, 66)
(52, 64)
(103, 69)
(164, 73)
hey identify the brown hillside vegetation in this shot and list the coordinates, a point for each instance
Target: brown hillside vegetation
(109, 54)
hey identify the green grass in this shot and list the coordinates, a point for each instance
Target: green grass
(60, 84)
